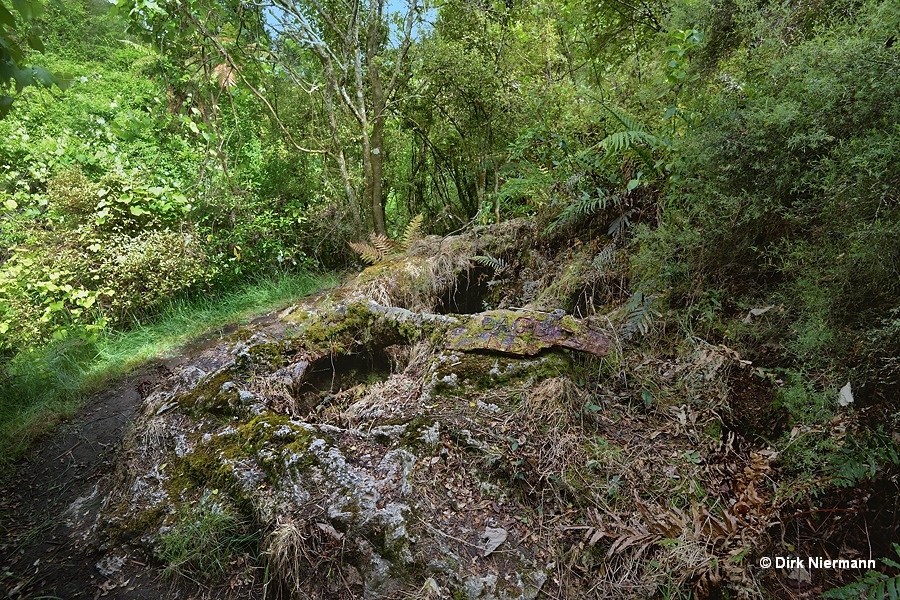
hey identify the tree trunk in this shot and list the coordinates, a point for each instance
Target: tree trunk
(376, 149)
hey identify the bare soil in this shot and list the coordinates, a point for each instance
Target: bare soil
(49, 504)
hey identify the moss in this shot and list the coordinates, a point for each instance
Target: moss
(208, 398)
(268, 356)
(412, 437)
(714, 430)
(479, 372)
(124, 527)
(564, 288)
(335, 331)
(209, 465)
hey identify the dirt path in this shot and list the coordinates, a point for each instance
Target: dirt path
(48, 509)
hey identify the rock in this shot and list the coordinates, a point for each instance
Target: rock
(389, 481)
(525, 333)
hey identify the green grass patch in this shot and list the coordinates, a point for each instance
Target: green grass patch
(40, 386)
(204, 540)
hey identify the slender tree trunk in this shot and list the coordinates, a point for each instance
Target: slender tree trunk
(377, 158)
(376, 150)
(496, 191)
(339, 148)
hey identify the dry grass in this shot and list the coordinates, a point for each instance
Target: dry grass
(300, 554)
(418, 279)
(382, 401)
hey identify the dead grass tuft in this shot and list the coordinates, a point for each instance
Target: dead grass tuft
(555, 402)
(382, 400)
(299, 554)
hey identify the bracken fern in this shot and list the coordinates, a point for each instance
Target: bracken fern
(872, 585)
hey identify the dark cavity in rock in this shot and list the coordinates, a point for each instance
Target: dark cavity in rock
(334, 374)
(467, 296)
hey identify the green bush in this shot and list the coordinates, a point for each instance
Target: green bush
(786, 191)
(147, 269)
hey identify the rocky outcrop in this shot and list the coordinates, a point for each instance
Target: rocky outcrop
(359, 443)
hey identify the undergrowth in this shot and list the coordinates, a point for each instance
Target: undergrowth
(38, 387)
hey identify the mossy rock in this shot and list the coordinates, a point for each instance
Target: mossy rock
(525, 333)
(478, 372)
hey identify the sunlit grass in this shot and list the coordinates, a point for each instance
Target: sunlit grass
(41, 386)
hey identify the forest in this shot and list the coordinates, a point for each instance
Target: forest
(693, 202)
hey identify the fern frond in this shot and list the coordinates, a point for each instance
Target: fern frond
(870, 585)
(144, 63)
(629, 122)
(145, 48)
(618, 142)
(369, 254)
(498, 264)
(620, 223)
(587, 205)
(383, 243)
(639, 316)
(604, 258)
(412, 232)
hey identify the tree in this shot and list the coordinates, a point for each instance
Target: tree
(358, 70)
(360, 73)
(13, 72)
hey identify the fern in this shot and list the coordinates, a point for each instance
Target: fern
(586, 206)
(604, 258)
(634, 137)
(383, 243)
(381, 246)
(620, 223)
(629, 122)
(369, 254)
(150, 58)
(412, 232)
(498, 264)
(872, 585)
(863, 459)
(639, 315)
(620, 141)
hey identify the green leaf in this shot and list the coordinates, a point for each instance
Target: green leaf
(24, 8)
(5, 105)
(138, 211)
(44, 77)
(7, 18)
(892, 588)
(34, 39)
(4, 327)
(11, 204)
(29, 9)
(193, 127)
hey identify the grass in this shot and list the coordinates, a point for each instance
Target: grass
(40, 386)
(204, 540)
